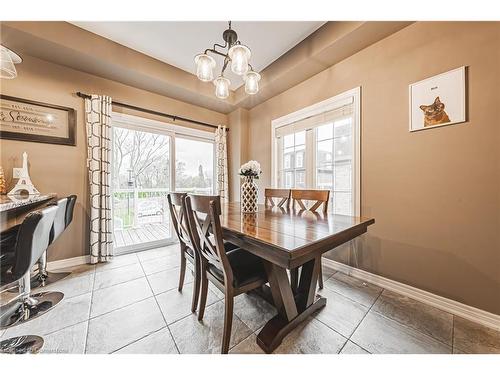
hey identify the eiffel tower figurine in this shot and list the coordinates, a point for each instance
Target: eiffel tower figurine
(24, 183)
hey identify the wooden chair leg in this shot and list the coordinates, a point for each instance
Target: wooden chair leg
(182, 269)
(196, 289)
(228, 321)
(320, 276)
(203, 292)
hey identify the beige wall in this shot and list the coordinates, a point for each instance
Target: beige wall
(237, 150)
(62, 169)
(434, 194)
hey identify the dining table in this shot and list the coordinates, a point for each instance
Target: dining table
(287, 239)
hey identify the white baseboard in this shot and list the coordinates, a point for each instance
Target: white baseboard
(457, 308)
(453, 307)
(70, 262)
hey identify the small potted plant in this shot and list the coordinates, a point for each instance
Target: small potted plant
(249, 190)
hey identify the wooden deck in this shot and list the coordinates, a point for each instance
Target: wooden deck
(147, 233)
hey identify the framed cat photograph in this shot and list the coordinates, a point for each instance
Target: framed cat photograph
(438, 101)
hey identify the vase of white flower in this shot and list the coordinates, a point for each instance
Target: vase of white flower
(249, 189)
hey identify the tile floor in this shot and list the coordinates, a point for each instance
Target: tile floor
(132, 305)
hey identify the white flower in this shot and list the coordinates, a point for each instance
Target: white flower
(251, 168)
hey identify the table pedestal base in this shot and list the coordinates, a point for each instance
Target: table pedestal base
(275, 330)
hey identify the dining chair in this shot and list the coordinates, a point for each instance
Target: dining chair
(272, 194)
(315, 198)
(179, 222)
(233, 272)
(318, 197)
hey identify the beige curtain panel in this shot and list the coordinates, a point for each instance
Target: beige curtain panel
(98, 126)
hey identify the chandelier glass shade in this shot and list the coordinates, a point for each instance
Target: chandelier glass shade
(252, 82)
(7, 60)
(205, 65)
(222, 87)
(237, 57)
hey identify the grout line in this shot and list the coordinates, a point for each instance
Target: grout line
(94, 273)
(156, 257)
(412, 329)
(90, 310)
(383, 315)
(50, 332)
(159, 308)
(361, 321)
(163, 270)
(333, 329)
(139, 339)
(235, 345)
(121, 307)
(121, 282)
(193, 313)
(342, 294)
(416, 329)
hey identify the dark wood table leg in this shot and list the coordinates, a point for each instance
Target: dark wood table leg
(294, 278)
(292, 309)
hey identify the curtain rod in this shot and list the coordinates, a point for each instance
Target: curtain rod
(150, 111)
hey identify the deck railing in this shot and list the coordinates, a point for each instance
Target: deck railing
(134, 207)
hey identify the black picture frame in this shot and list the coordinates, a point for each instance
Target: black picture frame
(68, 141)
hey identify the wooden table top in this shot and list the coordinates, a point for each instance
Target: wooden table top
(291, 233)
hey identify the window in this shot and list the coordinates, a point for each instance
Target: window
(318, 148)
(150, 159)
(293, 159)
(194, 166)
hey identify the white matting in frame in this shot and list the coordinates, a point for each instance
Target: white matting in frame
(438, 101)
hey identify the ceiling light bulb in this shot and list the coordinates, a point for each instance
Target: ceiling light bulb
(252, 82)
(204, 67)
(222, 87)
(239, 55)
(7, 68)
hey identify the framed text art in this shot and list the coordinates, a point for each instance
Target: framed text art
(27, 120)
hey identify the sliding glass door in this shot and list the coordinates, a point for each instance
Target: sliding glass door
(141, 182)
(150, 159)
(194, 165)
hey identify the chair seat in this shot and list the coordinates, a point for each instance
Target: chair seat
(227, 245)
(247, 268)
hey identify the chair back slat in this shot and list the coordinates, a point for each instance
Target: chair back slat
(316, 197)
(178, 216)
(203, 212)
(272, 194)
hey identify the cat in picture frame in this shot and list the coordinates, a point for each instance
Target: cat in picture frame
(435, 114)
(438, 101)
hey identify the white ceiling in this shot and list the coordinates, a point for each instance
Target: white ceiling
(176, 43)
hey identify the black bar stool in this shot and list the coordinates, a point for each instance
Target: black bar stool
(28, 344)
(16, 263)
(64, 216)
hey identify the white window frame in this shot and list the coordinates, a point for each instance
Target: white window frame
(354, 96)
(140, 123)
(131, 122)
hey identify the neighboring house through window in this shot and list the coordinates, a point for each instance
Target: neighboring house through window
(318, 147)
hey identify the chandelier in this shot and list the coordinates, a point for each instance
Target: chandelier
(237, 55)
(7, 60)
